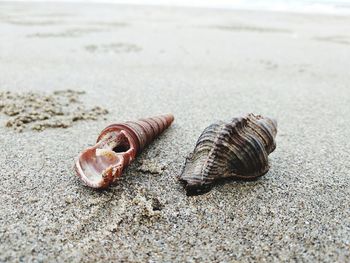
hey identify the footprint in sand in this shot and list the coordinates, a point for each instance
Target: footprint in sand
(344, 40)
(113, 48)
(269, 65)
(74, 32)
(251, 28)
(31, 22)
(112, 24)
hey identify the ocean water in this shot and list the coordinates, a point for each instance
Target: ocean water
(300, 6)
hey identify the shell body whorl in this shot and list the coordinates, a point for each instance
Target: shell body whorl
(143, 131)
(116, 147)
(236, 149)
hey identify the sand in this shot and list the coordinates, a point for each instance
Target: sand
(39, 111)
(201, 65)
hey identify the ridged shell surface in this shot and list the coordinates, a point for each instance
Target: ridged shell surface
(148, 129)
(117, 146)
(144, 130)
(236, 149)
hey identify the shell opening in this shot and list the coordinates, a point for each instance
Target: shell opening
(100, 165)
(97, 164)
(118, 142)
(122, 148)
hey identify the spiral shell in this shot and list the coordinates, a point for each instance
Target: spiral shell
(116, 147)
(237, 149)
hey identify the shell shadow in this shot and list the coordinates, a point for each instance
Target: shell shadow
(203, 189)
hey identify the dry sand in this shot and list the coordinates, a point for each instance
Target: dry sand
(201, 65)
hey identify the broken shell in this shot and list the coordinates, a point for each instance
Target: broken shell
(117, 145)
(237, 149)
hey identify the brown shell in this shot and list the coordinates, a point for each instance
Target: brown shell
(237, 149)
(117, 145)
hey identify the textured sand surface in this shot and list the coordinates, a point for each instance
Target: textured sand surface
(201, 65)
(40, 111)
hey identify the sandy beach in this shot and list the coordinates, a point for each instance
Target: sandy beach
(202, 65)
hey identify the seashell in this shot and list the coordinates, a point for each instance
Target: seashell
(116, 147)
(236, 149)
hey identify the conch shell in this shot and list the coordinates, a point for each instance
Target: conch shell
(237, 149)
(116, 147)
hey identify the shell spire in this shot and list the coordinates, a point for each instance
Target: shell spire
(116, 147)
(236, 149)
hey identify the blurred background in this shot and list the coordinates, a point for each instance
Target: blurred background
(70, 68)
(320, 6)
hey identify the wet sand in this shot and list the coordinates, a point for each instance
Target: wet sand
(201, 65)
